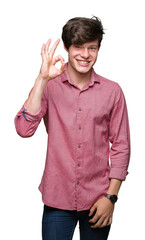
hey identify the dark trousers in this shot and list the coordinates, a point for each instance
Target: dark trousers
(59, 224)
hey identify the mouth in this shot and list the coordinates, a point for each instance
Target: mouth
(83, 63)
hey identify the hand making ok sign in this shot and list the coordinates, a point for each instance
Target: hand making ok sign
(48, 69)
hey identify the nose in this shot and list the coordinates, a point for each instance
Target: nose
(85, 53)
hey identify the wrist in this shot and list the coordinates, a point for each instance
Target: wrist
(113, 198)
(44, 76)
(42, 79)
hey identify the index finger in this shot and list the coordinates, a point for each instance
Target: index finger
(52, 51)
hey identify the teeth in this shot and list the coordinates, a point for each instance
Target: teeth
(83, 62)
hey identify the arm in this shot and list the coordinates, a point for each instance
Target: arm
(119, 157)
(114, 187)
(29, 117)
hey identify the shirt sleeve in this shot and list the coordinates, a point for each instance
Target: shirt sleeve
(26, 123)
(119, 136)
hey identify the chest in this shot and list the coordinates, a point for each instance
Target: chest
(71, 103)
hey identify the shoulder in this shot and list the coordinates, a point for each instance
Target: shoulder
(108, 84)
(110, 88)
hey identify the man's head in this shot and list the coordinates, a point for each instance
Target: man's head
(80, 30)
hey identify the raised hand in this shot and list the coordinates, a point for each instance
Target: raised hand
(48, 69)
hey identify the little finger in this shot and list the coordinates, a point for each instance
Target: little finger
(43, 51)
(110, 221)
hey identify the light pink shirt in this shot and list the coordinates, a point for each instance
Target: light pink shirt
(81, 124)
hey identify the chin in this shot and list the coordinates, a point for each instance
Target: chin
(83, 70)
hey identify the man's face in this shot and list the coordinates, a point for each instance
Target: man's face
(83, 57)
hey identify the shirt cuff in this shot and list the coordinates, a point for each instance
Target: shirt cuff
(24, 113)
(118, 173)
(29, 116)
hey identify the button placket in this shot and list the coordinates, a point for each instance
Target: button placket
(79, 145)
(79, 133)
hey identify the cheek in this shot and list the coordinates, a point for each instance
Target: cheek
(73, 56)
(95, 57)
(74, 53)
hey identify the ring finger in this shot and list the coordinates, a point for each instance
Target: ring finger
(98, 224)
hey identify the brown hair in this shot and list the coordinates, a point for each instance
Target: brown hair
(80, 30)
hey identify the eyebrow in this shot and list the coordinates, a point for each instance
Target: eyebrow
(94, 45)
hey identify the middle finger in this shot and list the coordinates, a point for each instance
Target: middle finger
(47, 46)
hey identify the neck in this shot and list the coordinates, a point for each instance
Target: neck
(78, 78)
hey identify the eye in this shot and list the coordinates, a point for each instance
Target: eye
(93, 48)
(78, 46)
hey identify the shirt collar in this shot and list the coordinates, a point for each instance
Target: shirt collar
(94, 77)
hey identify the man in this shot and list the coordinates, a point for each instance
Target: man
(83, 112)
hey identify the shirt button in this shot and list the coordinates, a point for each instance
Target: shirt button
(79, 146)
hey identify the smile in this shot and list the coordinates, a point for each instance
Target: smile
(83, 63)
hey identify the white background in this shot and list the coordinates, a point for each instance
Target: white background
(25, 25)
